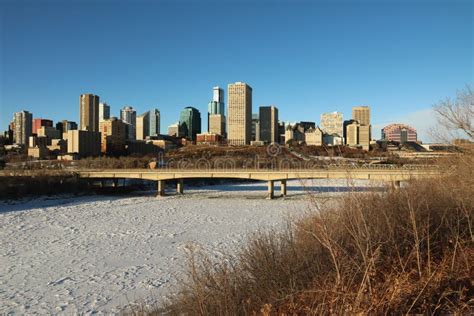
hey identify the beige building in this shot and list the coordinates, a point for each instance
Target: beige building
(83, 143)
(268, 116)
(361, 114)
(89, 112)
(364, 136)
(217, 124)
(352, 134)
(39, 152)
(239, 114)
(23, 127)
(331, 123)
(143, 126)
(113, 135)
(314, 137)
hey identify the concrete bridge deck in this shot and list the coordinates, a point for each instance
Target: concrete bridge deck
(394, 175)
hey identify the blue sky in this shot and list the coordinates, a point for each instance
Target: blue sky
(305, 57)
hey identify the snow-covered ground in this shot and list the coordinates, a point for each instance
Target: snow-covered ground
(100, 253)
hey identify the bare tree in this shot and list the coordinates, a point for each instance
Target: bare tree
(456, 117)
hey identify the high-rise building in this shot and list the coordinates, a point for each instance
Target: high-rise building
(239, 114)
(190, 120)
(216, 106)
(23, 122)
(331, 123)
(255, 136)
(89, 112)
(104, 111)
(129, 116)
(217, 124)
(268, 124)
(143, 126)
(399, 133)
(361, 114)
(39, 122)
(113, 136)
(154, 123)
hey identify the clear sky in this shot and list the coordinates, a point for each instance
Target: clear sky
(305, 57)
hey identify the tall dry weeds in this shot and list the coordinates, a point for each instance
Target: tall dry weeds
(402, 251)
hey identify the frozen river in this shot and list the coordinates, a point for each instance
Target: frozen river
(100, 253)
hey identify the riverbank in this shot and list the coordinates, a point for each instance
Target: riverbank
(100, 253)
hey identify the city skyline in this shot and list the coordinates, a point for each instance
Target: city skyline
(364, 54)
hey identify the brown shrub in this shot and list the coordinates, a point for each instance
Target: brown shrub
(402, 251)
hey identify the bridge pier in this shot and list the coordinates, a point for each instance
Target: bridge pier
(270, 190)
(161, 188)
(180, 186)
(115, 183)
(283, 187)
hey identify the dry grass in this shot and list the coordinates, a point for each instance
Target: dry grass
(403, 251)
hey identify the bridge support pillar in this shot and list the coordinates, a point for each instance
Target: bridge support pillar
(115, 183)
(283, 187)
(270, 190)
(161, 188)
(102, 183)
(180, 186)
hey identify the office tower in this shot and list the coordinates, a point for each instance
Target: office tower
(216, 106)
(129, 116)
(331, 123)
(143, 126)
(154, 124)
(104, 111)
(239, 114)
(190, 120)
(113, 136)
(399, 133)
(352, 133)
(268, 124)
(39, 122)
(361, 114)
(89, 112)
(83, 143)
(255, 135)
(217, 124)
(23, 122)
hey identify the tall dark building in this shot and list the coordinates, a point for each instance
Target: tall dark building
(190, 121)
(268, 116)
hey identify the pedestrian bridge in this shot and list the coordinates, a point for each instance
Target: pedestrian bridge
(393, 175)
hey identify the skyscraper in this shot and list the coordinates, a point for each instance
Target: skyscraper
(268, 124)
(89, 112)
(239, 114)
(154, 123)
(23, 122)
(104, 111)
(143, 126)
(190, 121)
(217, 124)
(216, 106)
(331, 123)
(361, 114)
(129, 116)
